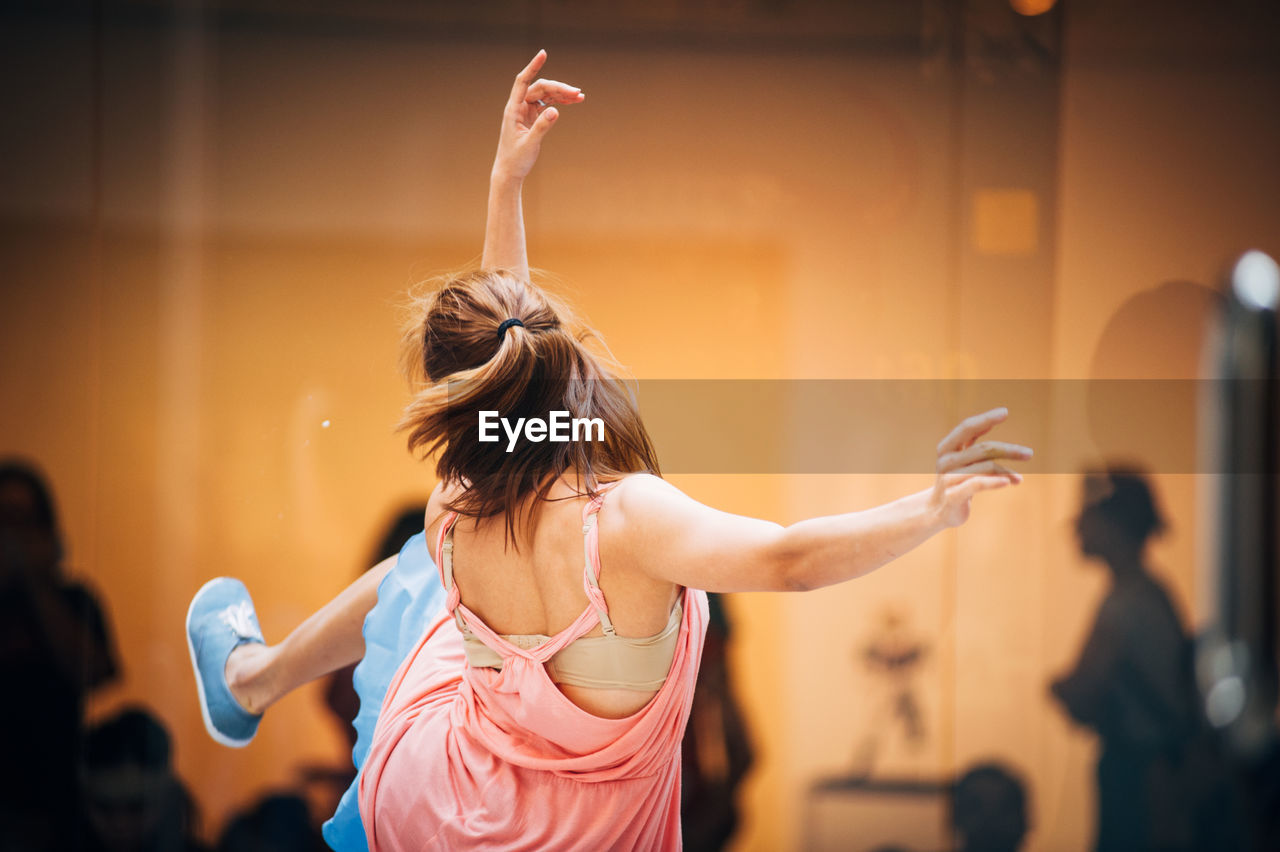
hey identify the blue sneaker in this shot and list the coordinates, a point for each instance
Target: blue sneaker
(221, 618)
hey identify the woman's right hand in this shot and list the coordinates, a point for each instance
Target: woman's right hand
(529, 114)
(966, 466)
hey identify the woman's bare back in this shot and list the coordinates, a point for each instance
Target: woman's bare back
(534, 583)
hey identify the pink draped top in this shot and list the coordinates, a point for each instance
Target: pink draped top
(481, 758)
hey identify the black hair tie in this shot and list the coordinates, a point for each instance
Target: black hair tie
(506, 324)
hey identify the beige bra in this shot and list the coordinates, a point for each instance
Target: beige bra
(603, 662)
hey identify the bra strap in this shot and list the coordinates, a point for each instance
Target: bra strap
(444, 557)
(591, 570)
(444, 550)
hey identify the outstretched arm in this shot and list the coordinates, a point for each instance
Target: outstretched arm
(332, 637)
(526, 119)
(677, 539)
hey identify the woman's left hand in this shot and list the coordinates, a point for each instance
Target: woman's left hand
(966, 466)
(529, 114)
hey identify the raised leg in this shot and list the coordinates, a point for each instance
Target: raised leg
(332, 637)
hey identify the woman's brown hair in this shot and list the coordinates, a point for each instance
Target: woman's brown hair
(453, 348)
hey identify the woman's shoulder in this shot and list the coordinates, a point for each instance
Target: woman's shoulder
(632, 493)
(640, 506)
(441, 497)
(639, 492)
(632, 528)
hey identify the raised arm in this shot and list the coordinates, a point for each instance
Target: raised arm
(528, 116)
(661, 532)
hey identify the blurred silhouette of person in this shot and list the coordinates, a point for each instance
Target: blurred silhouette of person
(989, 810)
(55, 648)
(133, 800)
(1133, 682)
(716, 749)
(280, 822)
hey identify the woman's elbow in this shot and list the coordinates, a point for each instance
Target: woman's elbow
(788, 569)
(792, 582)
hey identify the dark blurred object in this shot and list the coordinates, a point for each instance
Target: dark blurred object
(893, 658)
(1160, 784)
(55, 648)
(133, 800)
(1236, 658)
(907, 813)
(989, 810)
(278, 823)
(716, 750)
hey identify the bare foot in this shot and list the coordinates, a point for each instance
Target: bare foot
(247, 673)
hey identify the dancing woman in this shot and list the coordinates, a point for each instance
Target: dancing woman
(533, 692)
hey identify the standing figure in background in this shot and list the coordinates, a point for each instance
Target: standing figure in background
(1133, 682)
(55, 648)
(716, 749)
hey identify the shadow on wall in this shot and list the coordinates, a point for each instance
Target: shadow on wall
(1143, 394)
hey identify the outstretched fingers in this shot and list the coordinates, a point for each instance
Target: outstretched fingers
(967, 466)
(982, 451)
(983, 468)
(970, 429)
(553, 92)
(974, 484)
(527, 75)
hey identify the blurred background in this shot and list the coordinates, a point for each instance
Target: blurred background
(209, 212)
